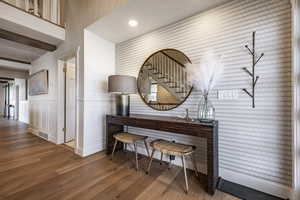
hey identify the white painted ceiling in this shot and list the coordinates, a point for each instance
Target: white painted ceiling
(17, 51)
(31, 33)
(29, 26)
(151, 14)
(4, 64)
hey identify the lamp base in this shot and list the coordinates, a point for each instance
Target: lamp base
(123, 104)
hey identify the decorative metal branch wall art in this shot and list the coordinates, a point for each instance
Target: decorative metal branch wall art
(251, 73)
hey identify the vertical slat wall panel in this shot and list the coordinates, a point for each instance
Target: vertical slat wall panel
(255, 142)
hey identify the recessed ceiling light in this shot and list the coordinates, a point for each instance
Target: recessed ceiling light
(133, 23)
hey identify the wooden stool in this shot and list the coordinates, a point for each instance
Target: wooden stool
(128, 138)
(174, 149)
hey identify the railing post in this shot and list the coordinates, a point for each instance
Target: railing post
(54, 11)
(36, 7)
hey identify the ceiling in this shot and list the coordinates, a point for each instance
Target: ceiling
(17, 51)
(150, 15)
(114, 27)
(4, 64)
(25, 31)
(15, 21)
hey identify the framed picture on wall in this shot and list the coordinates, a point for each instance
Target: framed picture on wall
(38, 83)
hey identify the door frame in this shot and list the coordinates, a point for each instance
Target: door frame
(17, 102)
(61, 97)
(65, 71)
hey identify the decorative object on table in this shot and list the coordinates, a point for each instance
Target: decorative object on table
(252, 74)
(38, 83)
(203, 76)
(162, 81)
(123, 86)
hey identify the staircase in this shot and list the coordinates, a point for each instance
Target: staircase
(169, 74)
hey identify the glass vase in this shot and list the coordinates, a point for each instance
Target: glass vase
(206, 111)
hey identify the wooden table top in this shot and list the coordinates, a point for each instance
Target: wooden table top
(166, 119)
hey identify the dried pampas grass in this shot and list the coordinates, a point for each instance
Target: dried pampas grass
(204, 75)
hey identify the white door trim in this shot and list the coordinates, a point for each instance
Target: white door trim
(60, 93)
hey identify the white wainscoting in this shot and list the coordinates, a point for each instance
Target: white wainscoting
(43, 118)
(253, 143)
(24, 112)
(99, 63)
(95, 124)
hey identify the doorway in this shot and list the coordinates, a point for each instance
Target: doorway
(67, 105)
(70, 102)
(8, 99)
(14, 99)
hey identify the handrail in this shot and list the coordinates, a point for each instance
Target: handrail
(23, 10)
(170, 72)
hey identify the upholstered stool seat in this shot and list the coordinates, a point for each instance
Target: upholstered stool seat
(174, 149)
(129, 138)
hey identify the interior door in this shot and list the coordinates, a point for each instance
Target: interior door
(70, 102)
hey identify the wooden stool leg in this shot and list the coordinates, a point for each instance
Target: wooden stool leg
(185, 176)
(115, 145)
(147, 148)
(136, 156)
(195, 164)
(150, 162)
(170, 163)
(125, 147)
(161, 157)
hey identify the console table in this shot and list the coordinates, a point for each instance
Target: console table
(115, 124)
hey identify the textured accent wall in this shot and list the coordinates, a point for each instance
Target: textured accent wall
(253, 142)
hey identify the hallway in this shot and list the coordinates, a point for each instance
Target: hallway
(34, 169)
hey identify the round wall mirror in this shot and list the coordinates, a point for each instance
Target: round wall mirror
(162, 81)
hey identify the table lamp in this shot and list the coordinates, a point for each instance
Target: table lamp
(123, 86)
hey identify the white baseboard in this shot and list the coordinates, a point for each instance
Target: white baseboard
(92, 149)
(246, 180)
(79, 152)
(52, 139)
(258, 184)
(36, 132)
(32, 131)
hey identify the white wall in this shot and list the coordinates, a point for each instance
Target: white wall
(22, 88)
(42, 108)
(23, 102)
(90, 11)
(99, 56)
(255, 145)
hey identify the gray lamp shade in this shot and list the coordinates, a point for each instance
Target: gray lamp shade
(122, 84)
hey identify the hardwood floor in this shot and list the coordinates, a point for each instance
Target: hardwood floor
(34, 169)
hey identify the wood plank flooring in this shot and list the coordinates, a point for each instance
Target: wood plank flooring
(34, 169)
